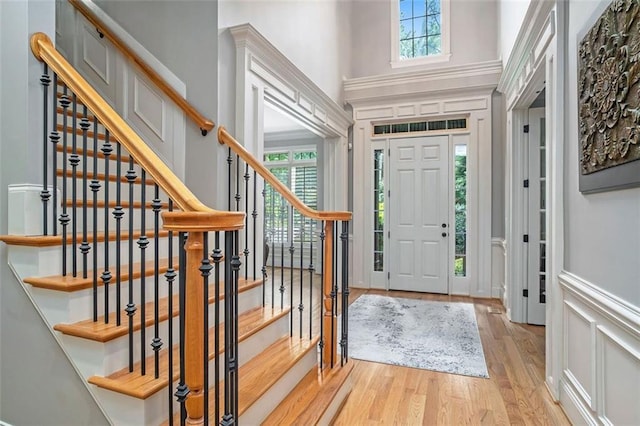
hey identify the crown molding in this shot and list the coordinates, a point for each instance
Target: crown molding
(277, 70)
(475, 77)
(538, 27)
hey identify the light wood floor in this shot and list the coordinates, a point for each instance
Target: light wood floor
(514, 394)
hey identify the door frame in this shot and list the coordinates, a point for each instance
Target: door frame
(537, 60)
(455, 285)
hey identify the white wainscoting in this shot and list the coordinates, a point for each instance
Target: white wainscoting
(600, 381)
(498, 253)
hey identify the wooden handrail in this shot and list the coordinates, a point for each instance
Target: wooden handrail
(226, 139)
(201, 121)
(194, 215)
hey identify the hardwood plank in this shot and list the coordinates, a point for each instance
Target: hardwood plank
(103, 177)
(308, 401)
(56, 240)
(113, 204)
(70, 283)
(142, 386)
(100, 331)
(514, 393)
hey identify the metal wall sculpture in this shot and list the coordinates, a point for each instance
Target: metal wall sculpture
(609, 94)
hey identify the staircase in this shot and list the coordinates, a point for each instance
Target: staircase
(168, 308)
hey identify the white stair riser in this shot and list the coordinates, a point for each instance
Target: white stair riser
(69, 307)
(260, 409)
(154, 409)
(105, 358)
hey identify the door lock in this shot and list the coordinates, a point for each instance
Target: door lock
(444, 225)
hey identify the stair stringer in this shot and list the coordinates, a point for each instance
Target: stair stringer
(57, 338)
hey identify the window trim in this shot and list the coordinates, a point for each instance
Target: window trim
(445, 56)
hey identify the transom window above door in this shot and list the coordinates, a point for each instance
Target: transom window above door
(420, 32)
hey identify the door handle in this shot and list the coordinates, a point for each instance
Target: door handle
(444, 234)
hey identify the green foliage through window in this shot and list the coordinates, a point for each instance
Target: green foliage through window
(420, 28)
(460, 264)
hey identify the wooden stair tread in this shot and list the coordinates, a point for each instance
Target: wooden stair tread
(80, 132)
(103, 177)
(265, 369)
(113, 204)
(262, 372)
(90, 153)
(308, 401)
(101, 332)
(56, 240)
(70, 283)
(138, 386)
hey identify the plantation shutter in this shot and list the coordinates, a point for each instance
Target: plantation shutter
(305, 186)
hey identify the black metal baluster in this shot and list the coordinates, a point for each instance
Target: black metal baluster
(235, 264)
(45, 194)
(95, 187)
(170, 276)
(182, 390)
(311, 271)
(217, 257)
(131, 306)
(229, 181)
(84, 246)
(302, 234)
(334, 293)
(246, 222)
(74, 160)
(228, 418)
(345, 292)
(291, 251)
(107, 149)
(143, 243)
(254, 214)
(238, 197)
(273, 247)
(54, 136)
(282, 238)
(322, 258)
(205, 270)
(118, 212)
(64, 217)
(264, 242)
(156, 343)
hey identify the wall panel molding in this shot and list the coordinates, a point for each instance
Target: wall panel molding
(600, 382)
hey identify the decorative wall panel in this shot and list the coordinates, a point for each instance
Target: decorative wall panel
(609, 100)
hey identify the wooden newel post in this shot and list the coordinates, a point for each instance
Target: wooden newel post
(194, 330)
(330, 331)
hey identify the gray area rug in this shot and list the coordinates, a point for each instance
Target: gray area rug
(438, 336)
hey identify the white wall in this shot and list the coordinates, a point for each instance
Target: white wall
(510, 17)
(183, 35)
(39, 385)
(602, 231)
(474, 35)
(313, 34)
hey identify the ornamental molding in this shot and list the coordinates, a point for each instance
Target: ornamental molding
(454, 80)
(608, 89)
(297, 90)
(537, 30)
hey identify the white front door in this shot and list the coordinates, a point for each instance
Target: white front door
(537, 212)
(418, 212)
